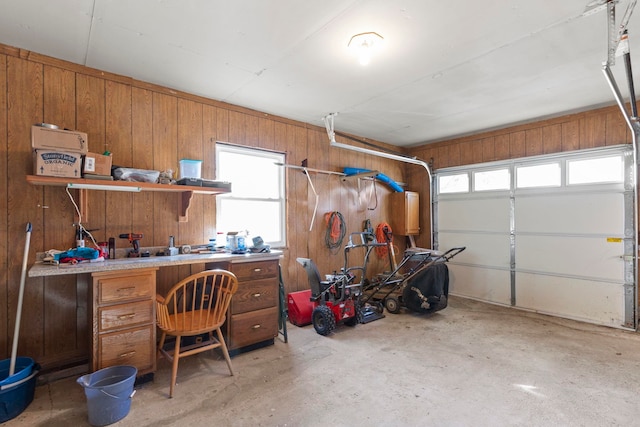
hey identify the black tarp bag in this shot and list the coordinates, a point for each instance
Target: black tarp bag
(428, 290)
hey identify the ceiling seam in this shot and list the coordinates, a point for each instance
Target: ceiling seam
(295, 48)
(86, 51)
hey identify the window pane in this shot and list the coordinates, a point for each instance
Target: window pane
(250, 175)
(492, 180)
(257, 199)
(453, 183)
(259, 218)
(604, 169)
(538, 176)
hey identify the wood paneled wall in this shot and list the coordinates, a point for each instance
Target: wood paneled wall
(590, 129)
(148, 127)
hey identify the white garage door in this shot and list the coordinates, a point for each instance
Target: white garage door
(552, 234)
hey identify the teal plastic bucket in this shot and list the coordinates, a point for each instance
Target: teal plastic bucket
(109, 392)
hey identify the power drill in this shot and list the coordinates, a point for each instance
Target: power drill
(134, 239)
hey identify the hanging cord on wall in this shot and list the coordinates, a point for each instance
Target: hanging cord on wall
(336, 229)
(381, 236)
(83, 231)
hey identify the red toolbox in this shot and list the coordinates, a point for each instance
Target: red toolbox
(300, 307)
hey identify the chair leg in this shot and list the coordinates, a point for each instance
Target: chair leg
(224, 350)
(174, 369)
(160, 345)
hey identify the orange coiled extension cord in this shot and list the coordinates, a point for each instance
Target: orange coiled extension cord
(336, 229)
(381, 237)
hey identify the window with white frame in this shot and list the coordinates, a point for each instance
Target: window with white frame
(542, 175)
(454, 183)
(256, 202)
(499, 179)
(595, 170)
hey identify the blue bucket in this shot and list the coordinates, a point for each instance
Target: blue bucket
(109, 392)
(17, 390)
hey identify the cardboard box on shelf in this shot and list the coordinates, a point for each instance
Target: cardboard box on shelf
(57, 163)
(43, 138)
(96, 164)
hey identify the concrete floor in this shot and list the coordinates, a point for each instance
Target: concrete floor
(471, 364)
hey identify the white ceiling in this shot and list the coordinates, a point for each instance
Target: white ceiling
(447, 68)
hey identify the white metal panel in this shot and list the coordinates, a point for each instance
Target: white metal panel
(574, 256)
(584, 300)
(591, 213)
(490, 214)
(480, 283)
(491, 250)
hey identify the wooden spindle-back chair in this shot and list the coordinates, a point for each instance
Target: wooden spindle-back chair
(194, 307)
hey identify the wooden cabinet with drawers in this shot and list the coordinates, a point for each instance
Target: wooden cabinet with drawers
(252, 319)
(123, 319)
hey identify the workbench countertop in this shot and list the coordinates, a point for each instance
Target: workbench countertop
(40, 270)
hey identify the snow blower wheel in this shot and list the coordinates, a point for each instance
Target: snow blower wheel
(323, 320)
(353, 321)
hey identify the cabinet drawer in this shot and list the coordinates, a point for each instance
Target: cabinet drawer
(255, 270)
(124, 288)
(125, 315)
(131, 347)
(254, 295)
(253, 327)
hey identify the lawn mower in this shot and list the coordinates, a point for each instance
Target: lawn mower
(423, 287)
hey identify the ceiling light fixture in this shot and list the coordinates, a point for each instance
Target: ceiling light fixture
(364, 44)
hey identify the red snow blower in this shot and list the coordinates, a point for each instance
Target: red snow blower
(337, 299)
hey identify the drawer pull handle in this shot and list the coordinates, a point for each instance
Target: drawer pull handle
(126, 316)
(257, 270)
(256, 326)
(128, 288)
(129, 354)
(257, 295)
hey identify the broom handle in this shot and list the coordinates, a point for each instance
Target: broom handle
(16, 331)
(392, 254)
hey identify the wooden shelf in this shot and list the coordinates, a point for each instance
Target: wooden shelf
(144, 186)
(185, 200)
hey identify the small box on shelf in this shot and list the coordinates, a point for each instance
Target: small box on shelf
(57, 163)
(96, 164)
(47, 138)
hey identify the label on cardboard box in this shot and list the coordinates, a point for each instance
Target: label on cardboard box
(57, 163)
(97, 164)
(43, 138)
